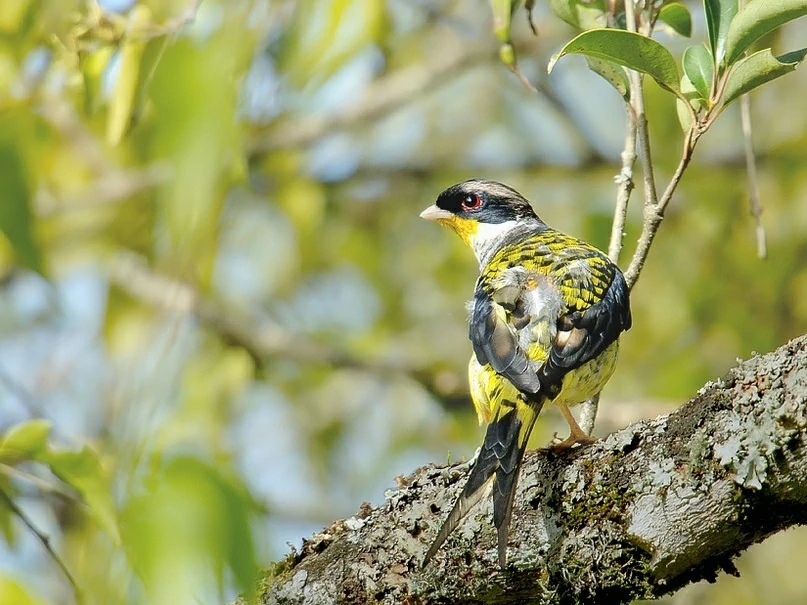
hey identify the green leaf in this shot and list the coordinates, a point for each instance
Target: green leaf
(194, 519)
(625, 48)
(83, 472)
(757, 69)
(122, 102)
(699, 69)
(13, 593)
(80, 470)
(579, 13)
(93, 66)
(690, 99)
(24, 441)
(758, 18)
(678, 17)
(719, 14)
(615, 75)
(6, 515)
(502, 11)
(17, 185)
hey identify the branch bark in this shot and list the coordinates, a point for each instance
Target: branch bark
(638, 514)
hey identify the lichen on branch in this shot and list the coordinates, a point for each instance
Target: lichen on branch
(640, 513)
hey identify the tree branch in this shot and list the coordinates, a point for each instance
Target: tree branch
(44, 540)
(263, 339)
(624, 181)
(380, 98)
(641, 513)
(654, 213)
(637, 101)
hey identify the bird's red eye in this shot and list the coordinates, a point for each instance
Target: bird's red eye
(471, 202)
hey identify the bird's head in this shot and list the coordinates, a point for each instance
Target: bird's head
(481, 212)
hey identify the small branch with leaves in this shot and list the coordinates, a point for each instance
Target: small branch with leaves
(714, 76)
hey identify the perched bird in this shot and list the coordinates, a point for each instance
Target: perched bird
(545, 320)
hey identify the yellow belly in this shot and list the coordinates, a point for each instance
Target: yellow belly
(589, 379)
(488, 388)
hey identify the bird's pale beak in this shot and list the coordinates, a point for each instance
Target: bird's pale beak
(433, 213)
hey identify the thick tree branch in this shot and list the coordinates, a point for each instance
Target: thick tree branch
(641, 513)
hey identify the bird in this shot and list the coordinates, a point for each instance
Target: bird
(544, 323)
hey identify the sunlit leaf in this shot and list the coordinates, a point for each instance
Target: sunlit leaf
(12, 593)
(699, 68)
(758, 18)
(678, 17)
(580, 13)
(613, 74)
(24, 440)
(6, 514)
(83, 472)
(625, 48)
(93, 65)
(719, 14)
(683, 107)
(13, 17)
(192, 524)
(757, 69)
(17, 184)
(122, 103)
(324, 35)
(502, 11)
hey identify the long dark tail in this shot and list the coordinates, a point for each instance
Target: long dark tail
(499, 461)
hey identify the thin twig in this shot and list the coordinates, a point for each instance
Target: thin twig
(380, 98)
(637, 101)
(44, 539)
(113, 187)
(588, 414)
(624, 181)
(753, 184)
(654, 217)
(44, 486)
(261, 337)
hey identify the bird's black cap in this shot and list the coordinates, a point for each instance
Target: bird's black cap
(485, 201)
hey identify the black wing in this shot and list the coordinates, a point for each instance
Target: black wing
(584, 334)
(495, 343)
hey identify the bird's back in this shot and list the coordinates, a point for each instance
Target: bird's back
(538, 282)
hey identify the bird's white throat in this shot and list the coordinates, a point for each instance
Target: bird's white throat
(489, 237)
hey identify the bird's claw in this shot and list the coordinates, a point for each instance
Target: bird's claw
(559, 446)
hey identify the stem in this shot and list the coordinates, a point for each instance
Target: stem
(45, 540)
(588, 414)
(655, 214)
(41, 484)
(637, 101)
(625, 186)
(753, 184)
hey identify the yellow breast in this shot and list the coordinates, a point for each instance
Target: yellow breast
(489, 389)
(589, 379)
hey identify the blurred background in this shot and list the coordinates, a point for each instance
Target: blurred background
(213, 273)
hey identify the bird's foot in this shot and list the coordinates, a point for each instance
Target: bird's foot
(571, 440)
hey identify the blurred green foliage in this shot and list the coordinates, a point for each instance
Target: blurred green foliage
(222, 324)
